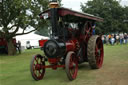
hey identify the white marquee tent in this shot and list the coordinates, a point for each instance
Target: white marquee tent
(33, 38)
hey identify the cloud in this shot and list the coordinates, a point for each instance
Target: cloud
(124, 3)
(75, 4)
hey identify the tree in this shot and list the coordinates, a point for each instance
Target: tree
(16, 14)
(111, 11)
(45, 31)
(126, 18)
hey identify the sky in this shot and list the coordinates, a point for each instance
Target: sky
(75, 4)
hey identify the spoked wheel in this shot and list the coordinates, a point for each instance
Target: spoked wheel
(95, 52)
(71, 65)
(35, 67)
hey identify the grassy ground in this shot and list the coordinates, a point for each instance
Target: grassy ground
(14, 70)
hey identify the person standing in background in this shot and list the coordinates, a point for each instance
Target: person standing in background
(93, 29)
(117, 39)
(112, 40)
(19, 46)
(107, 39)
(103, 39)
(109, 36)
(125, 38)
(121, 38)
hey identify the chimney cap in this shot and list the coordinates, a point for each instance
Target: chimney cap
(53, 0)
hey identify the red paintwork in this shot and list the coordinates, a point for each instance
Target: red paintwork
(37, 68)
(73, 70)
(99, 56)
(53, 60)
(3, 42)
(41, 42)
(71, 45)
(65, 12)
(53, 66)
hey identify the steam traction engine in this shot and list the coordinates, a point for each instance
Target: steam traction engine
(4, 46)
(71, 43)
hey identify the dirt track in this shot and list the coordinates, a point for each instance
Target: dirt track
(115, 67)
(113, 72)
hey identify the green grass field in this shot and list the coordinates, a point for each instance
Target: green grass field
(15, 70)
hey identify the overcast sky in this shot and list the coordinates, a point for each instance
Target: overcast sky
(75, 4)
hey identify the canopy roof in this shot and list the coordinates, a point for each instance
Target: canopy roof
(71, 15)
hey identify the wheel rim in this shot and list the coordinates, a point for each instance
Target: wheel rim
(71, 66)
(36, 70)
(99, 52)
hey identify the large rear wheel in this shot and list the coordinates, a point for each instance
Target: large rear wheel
(71, 65)
(95, 52)
(35, 67)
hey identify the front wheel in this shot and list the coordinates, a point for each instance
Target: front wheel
(36, 67)
(71, 65)
(95, 52)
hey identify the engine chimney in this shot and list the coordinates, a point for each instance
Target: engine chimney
(53, 4)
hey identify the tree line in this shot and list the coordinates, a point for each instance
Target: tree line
(115, 16)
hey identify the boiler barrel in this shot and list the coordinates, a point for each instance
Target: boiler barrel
(54, 48)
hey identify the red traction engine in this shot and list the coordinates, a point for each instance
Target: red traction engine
(71, 43)
(4, 46)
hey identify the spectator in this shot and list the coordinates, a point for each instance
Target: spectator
(112, 40)
(117, 39)
(125, 38)
(107, 39)
(114, 37)
(103, 39)
(28, 45)
(19, 46)
(121, 38)
(93, 29)
(109, 36)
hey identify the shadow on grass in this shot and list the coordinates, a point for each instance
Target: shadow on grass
(84, 66)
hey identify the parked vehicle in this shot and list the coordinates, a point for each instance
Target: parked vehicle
(4, 46)
(42, 42)
(28, 45)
